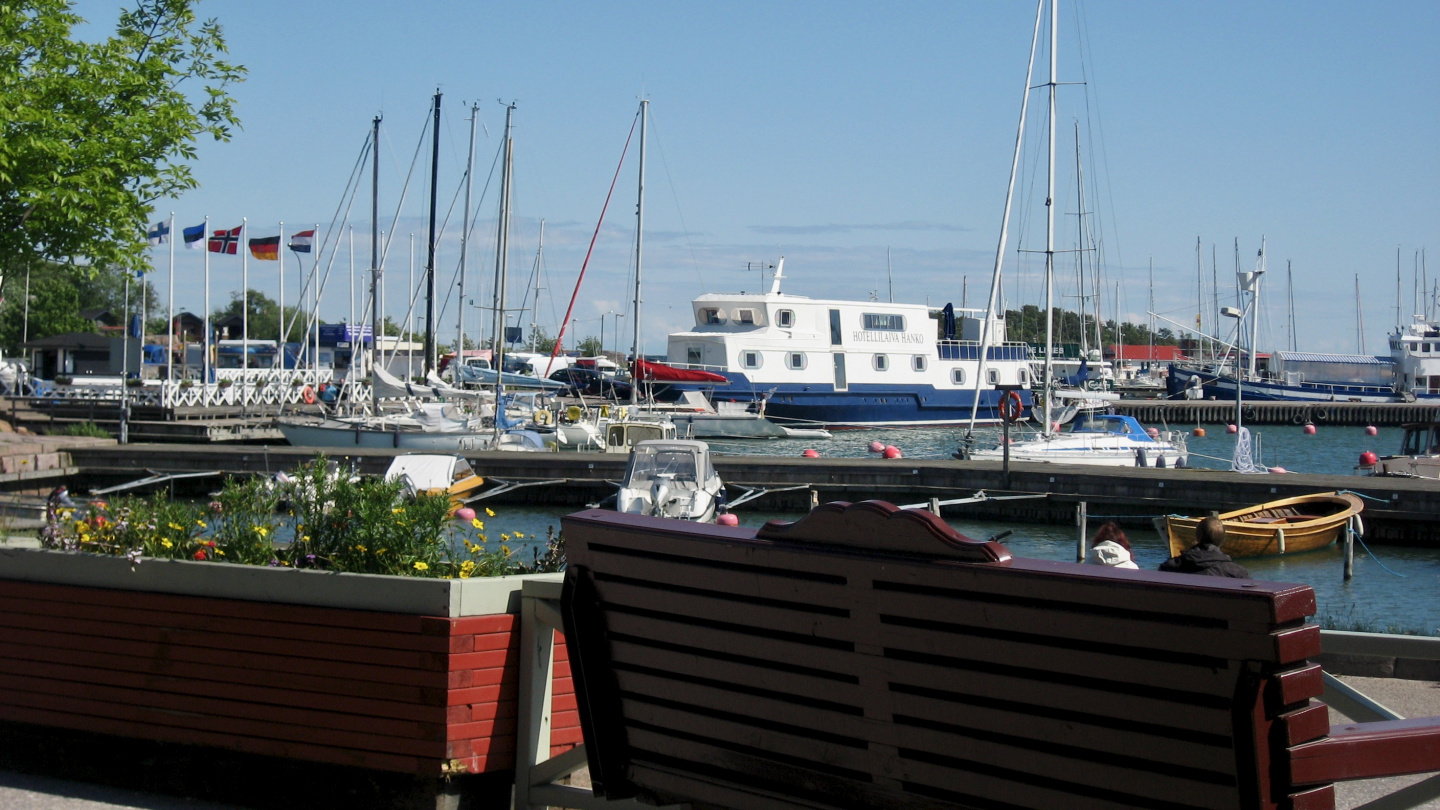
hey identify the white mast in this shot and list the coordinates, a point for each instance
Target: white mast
(502, 250)
(1005, 226)
(244, 309)
(1050, 225)
(1255, 304)
(205, 235)
(170, 343)
(636, 347)
(410, 319)
(465, 239)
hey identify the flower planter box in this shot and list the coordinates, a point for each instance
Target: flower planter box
(390, 673)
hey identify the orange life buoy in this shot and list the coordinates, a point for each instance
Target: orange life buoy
(1011, 407)
(308, 395)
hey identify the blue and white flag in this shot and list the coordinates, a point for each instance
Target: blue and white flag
(195, 237)
(159, 233)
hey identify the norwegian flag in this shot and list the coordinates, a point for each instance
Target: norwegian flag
(223, 241)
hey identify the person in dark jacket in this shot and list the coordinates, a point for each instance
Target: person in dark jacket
(1205, 557)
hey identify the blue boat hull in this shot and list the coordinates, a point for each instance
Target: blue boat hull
(1223, 388)
(863, 406)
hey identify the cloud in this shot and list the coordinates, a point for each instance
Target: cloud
(805, 230)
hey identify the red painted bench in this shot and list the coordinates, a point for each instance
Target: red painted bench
(872, 657)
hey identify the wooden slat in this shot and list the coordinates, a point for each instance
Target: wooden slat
(742, 675)
(248, 644)
(738, 611)
(765, 582)
(161, 650)
(721, 641)
(1074, 729)
(200, 622)
(1303, 725)
(1070, 623)
(236, 608)
(1011, 789)
(1124, 664)
(407, 699)
(1298, 685)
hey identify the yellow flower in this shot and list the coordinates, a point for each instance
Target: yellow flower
(397, 511)
(505, 549)
(166, 543)
(420, 566)
(379, 551)
(261, 530)
(176, 526)
(360, 549)
(220, 551)
(518, 535)
(489, 512)
(477, 523)
(467, 568)
(504, 538)
(202, 524)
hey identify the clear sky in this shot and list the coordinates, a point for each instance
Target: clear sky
(829, 132)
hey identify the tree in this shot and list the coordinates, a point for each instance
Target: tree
(57, 294)
(264, 317)
(91, 134)
(590, 347)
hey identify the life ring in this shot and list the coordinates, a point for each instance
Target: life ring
(1320, 414)
(308, 394)
(1011, 407)
(542, 417)
(1249, 414)
(1298, 419)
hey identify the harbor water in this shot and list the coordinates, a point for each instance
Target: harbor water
(1394, 588)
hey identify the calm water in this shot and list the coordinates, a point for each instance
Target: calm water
(1407, 595)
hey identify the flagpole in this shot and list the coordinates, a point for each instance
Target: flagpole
(410, 319)
(350, 334)
(244, 309)
(170, 344)
(280, 256)
(205, 364)
(315, 300)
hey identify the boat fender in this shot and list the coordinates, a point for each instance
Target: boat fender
(1321, 415)
(308, 394)
(541, 417)
(622, 413)
(1297, 419)
(1249, 414)
(573, 413)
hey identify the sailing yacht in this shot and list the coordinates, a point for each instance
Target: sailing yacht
(1096, 439)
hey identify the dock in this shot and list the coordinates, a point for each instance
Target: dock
(1220, 412)
(1397, 510)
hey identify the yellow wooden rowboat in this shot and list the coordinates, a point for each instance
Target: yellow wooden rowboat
(1278, 527)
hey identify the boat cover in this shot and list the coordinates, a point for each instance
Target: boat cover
(659, 372)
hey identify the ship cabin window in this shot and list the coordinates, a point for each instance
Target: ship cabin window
(694, 356)
(881, 362)
(785, 318)
(748, 317)
(1021, 376)
(1394, 344)
(750, 359)
(795, 360)
(879, 322)
(711, 316)
(1424, 348)
(957, 376)
(918, 362)
(993, 375)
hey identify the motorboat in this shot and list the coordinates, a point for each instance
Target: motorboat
(1286, 526)
(1419, 455)
(670, 478)
(436, 474)
(1108, 440)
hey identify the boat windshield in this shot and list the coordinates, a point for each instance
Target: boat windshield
(1091, 423)
(1420, 441)
(647, 463)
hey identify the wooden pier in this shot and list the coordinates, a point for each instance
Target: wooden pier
(1220, 412)
(1397, 510)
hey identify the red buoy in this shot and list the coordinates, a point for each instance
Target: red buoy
(465, 513)
(877, 446)
(1368, 459)
(891, 451)
(1277, 470)
(1308, 430)
(810, 454)
(727, 519)
(1198, 433)
(1153, 433)
(1231, 429)
(1371, 430)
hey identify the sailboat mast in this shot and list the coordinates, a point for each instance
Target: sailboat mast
(1199, 302)
(432, 360)
(1050, 222)
(1151, 327)
(1081, 302)
(465, 238)
(535, 303)
(1255, 304)
(635, 347)
(1359, 317)
(502, 251)
(374, 265)
(1290, 294)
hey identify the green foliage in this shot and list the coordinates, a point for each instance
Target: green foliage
(590, 347)
(1356, 624)
(85, 429)
(1028, 325)
(264, 317)
(91, 133)
(337, 521)
(58, 292)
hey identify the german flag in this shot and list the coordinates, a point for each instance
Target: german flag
(266, 248)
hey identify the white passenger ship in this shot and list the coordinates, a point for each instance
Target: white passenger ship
(850, 363)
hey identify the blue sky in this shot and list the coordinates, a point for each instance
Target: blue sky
(829, 132)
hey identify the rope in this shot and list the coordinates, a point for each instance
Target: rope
(1363, 495)
(1377, 559)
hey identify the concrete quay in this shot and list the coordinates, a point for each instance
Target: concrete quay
(1179, 413)
(1397, 510)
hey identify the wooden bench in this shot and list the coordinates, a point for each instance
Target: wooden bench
(868, 656)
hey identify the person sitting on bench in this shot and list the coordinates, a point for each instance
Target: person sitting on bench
(1205, 557)
(1110, 547)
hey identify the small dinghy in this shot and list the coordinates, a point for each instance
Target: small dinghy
(436, 474)
(1286, 526)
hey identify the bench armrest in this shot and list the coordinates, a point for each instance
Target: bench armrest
(1368, 751)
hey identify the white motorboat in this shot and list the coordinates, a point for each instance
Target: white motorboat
(1098, 439)
(670, 478)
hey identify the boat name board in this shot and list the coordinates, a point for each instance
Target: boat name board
(870, 336)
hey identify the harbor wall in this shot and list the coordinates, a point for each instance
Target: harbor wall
(1179, 413)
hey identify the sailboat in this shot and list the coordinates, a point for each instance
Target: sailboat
(1106, 440)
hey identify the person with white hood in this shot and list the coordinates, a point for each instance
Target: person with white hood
(1110, 547)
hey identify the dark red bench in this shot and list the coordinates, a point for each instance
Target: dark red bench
(867, 656)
